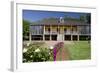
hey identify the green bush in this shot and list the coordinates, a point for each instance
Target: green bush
(36, 53)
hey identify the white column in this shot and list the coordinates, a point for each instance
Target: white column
(43, 37)
(78, 29)
(63, 33)
(57, 32)
(50, 32)
(30, 36)
(71, 29)
(50, 29)
(43, 32)
(71, 37)
(50, 37)
(78, 37)
(71, 33)
(44, 29)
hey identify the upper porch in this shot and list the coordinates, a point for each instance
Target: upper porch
(60, 29)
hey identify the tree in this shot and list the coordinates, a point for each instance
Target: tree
(82, 18)
(26, 29)
(88, 18)
(66, 17)
(71, 18)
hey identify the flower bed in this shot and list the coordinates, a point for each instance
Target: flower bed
(57, 47)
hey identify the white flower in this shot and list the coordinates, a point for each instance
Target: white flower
(37, 50)
(49, 53)
(31, 56)
(25, 50)
(51, 47)
(28, 44)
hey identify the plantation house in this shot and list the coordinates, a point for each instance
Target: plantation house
(60, 30)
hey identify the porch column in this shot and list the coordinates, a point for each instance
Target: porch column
(58, 29)
(43, 32)
(71, 32)
(78, 37)
(43, 37)
(44, 29)
(50, 37)
(63, 33)
(50, 31)
(78, 29)
(58, 33)
(71, 37)
(30, 38)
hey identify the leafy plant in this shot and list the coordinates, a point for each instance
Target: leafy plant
(26, 29)
(36, 53)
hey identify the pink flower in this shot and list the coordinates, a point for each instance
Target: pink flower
(54, 54)
(56, 49)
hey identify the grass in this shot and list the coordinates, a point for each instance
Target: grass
(79, 50)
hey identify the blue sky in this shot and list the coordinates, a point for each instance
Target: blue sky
(33, 15)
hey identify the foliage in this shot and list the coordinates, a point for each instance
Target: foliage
(36, 53)
(88, 17)
(70, 18)
(26, 29)
(82, 18)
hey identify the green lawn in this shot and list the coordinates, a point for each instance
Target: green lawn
(79, 50)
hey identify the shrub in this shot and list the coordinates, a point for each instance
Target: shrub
(36, 53)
